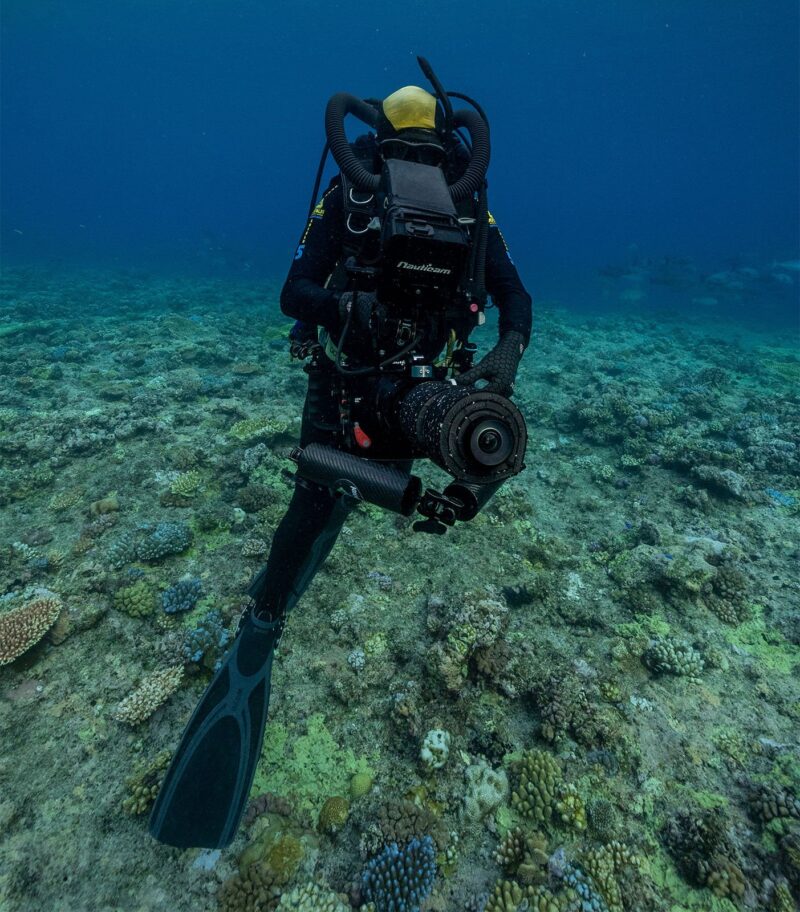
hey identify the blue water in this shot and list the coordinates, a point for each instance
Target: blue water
(186, 134)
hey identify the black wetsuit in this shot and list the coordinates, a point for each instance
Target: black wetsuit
(315, 515)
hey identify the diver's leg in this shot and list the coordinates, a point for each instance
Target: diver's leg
(301, 543)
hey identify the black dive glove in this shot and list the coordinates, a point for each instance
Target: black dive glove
(499, 365)
(365, 309)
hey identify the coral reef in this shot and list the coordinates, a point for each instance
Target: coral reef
(652, 535)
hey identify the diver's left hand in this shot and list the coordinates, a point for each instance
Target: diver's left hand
(499, 366)
(363, 305)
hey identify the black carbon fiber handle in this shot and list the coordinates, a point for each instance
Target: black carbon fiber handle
(363, 478)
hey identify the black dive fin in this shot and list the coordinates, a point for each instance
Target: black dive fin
(205, 791)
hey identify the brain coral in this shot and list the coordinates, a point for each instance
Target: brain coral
(23, 627)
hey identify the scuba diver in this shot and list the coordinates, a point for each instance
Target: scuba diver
(391, 275)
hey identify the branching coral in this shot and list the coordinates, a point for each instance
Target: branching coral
(539, 777)
(771, 801)
(23, 627)
(186, 484)
(400, 878)
(311, 898)
(698, 841)
(400, 821)
(154, 690)
(523, 855)
(669, 657)
(163, 539)
(254, 890)
(183, 596)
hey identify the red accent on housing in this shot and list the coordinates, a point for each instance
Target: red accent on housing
(474, 307)
(362, 439)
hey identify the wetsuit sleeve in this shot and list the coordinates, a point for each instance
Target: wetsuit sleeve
(304, 296)
(505, 286)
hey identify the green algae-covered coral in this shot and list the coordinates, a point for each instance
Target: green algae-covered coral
(570, 807)
(603, 865)
(137, 600)
(23, 627)
(307, 768)
(186, 484)
(333, 815)
(539, 777)
(144, 784)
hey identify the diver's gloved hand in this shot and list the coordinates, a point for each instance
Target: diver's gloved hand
(365, 308)
(499, 366)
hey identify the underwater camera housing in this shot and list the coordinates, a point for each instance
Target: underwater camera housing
(476, 436)
(424, 249)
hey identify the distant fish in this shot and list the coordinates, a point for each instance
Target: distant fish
(791, 265)
(17, 231)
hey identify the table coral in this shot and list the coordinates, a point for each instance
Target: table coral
(23, 627)
(251, 429)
